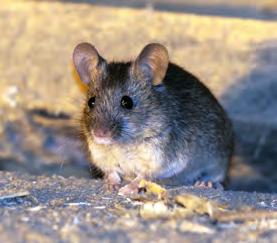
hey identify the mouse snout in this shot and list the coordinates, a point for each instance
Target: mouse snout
(102, 132)
(102, 135)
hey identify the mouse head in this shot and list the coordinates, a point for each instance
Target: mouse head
(123, 103)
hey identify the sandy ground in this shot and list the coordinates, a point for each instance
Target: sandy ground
(55, 209)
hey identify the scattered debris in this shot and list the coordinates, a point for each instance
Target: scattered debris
(15, 195)
(188, 226)
(57, 202)
(199, 205)
(264, 224)
(245, 215)
(154, 210)
(181, 212)
(78, 204)
(186, 205)
(35, 209)
(153, 188)
(99, 207)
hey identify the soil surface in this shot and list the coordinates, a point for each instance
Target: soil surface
(56, 209)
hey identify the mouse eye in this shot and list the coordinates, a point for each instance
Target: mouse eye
(126, 102)
(91, 102)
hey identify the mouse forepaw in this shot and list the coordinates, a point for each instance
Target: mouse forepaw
(130, 189)
(112, 181)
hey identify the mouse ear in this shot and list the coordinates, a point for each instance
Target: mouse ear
(89, 64)
(152, 63)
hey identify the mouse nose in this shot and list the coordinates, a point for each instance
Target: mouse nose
(102, 133)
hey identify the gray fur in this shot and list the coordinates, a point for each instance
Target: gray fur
(179, 117)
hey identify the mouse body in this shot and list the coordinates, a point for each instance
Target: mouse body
(151, 119)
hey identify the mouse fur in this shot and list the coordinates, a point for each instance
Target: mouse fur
(176, 132)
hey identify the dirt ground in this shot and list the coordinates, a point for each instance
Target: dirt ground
(56, 209)
(50, 193)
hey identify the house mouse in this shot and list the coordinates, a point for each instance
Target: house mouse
(151, 119)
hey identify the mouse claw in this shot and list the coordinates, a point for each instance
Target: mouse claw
(203, 184)
(111, 187)
(112, 182)
(208, 184)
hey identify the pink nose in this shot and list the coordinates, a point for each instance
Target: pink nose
(102, 133)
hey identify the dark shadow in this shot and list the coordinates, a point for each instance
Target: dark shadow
(225, 10)
(252, 104)
(45, 143)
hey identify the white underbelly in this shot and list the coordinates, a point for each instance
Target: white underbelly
(140, 159)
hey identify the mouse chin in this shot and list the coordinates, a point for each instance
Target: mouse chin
(103, 140)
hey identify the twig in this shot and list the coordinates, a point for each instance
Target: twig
(14, 195)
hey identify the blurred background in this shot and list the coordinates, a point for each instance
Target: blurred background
(230, 45)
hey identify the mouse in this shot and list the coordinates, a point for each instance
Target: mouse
(150, 119)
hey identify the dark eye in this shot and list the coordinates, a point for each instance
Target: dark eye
(91, 102)
(126, 102)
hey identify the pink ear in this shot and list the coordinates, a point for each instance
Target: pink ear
(152, 63)
(88, 62)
